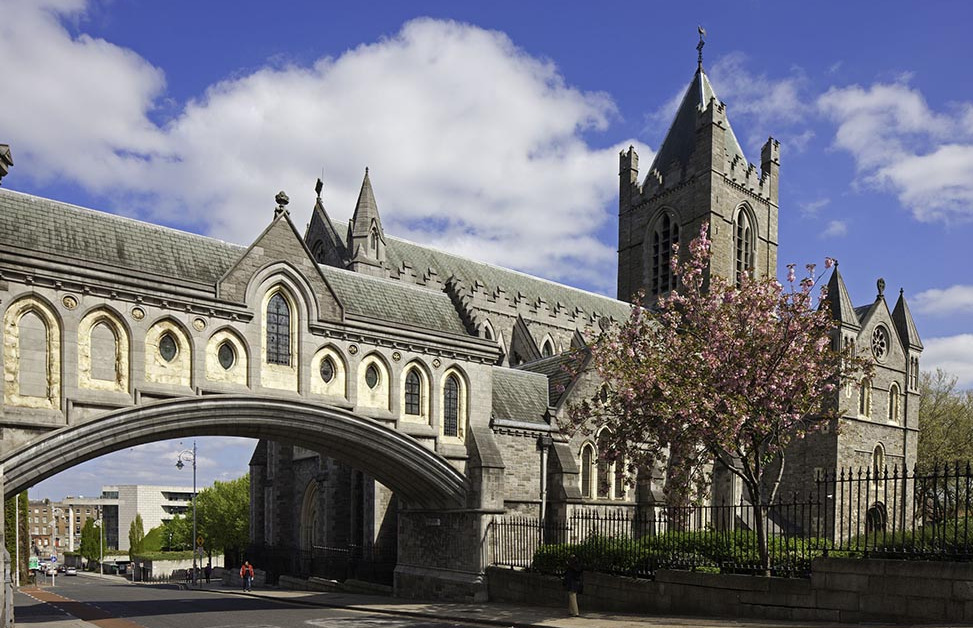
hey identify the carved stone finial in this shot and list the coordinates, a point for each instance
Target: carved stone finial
(702, 42)
(881, 287)
(319, 186)
(282, 201)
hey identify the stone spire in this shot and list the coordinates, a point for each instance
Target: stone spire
(366, 238)
(904, 324)
(841, 307)
(680, 141)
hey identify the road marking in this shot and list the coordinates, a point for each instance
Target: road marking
(80, 610)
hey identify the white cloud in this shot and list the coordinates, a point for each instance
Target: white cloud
(952, 300)
(461, 129)
(900, 143)
(953, 354)
(811, 208)
(835, 229)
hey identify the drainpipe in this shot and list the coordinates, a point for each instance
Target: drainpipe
(544, 442)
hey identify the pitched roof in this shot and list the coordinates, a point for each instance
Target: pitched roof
(560, 370)
(390, 300)
(680, 140)
(68, 231)
(422, 258)
(519, 395)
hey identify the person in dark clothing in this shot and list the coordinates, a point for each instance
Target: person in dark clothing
(207, 571)
(573, 584)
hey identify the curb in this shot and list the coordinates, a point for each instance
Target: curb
(386, 611)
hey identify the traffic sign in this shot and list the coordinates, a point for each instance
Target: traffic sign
(53, 558)
(199, 540)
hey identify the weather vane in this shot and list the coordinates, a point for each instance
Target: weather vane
(702, 42)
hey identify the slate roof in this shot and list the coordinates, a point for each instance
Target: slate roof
(65, 230)
(559, 371)
(681, 138)
(422, 258)
(387, 299)
(519, 395)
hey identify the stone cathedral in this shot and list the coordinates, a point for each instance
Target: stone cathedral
(438, 380)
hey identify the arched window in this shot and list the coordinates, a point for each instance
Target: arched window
(876, 518)
(548, 349)
(619, 489)
(865, 398)
(373, 240)
(278, 330)
(413, 393)
(104, 353)
(587, 462)
(451, 407)
(604, 468)
(664, 235)
(878, 462)
(33, 367)
(894, 403)
(743, 243)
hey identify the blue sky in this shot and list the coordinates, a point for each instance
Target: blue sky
(492, 129)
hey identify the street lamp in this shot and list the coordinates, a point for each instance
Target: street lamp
(187, 455)
(101, 547)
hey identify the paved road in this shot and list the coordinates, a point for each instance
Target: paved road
(110, 603)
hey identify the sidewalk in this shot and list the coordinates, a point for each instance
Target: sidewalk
(495, 614)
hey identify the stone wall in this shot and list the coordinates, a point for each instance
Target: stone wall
(845, 590)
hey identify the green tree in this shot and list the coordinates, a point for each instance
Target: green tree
(177, 534)
(945, 422)
(136, 536)
(10, 538)
(223, 515)
(92, 541)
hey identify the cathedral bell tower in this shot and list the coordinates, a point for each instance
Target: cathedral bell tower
(699, 175)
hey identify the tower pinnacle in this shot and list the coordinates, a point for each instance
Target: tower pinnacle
(699, 46)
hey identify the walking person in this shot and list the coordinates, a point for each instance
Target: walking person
(207, 571)
(573, 584)
(246, 572)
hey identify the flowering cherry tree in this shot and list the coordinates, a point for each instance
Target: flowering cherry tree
(718, 373)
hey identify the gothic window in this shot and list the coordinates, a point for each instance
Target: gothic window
(278, 331)
(226, 355)
(743, 233)
(372, 376)
(619, 488)
(548, 349)
(413, 393)
(373, 241)
(587, 462)
(894, 403)
(664, 235)
(865, 398)
(604, 468)
(327, 369)
(878, 462)
(876, 518)
(168, 347)
(33, 364)
(914, 381)
(104, 353)
(451, 407)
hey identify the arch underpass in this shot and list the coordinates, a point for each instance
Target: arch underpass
(422, 478)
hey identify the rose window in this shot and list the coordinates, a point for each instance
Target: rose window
(880, 343)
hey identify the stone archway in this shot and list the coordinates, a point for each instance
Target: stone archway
(421, 477)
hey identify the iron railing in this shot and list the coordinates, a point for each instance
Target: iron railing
(917, 515)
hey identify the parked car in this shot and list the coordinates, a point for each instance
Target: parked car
(60, 568)
(51, 570)
(70, 571)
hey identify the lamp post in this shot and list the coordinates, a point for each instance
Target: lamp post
(101, 547)
(187, 455)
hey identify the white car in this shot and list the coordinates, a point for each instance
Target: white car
(71, 571)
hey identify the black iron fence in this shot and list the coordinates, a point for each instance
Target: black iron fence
(854, 513)
(370, 564)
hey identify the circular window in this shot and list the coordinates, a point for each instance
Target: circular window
(168, 347)
(880, 343)
(226, 355)
(327, 369)
(371, 376)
